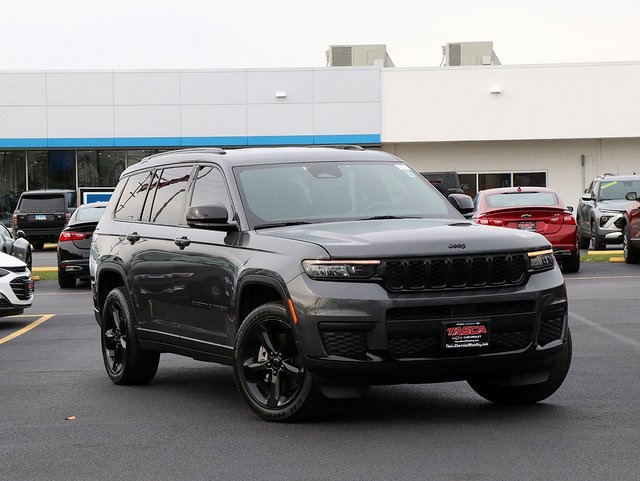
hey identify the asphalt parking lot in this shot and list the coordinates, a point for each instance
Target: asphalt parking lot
(63, 419)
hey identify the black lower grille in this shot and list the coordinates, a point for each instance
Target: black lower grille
(21, 288)
(550, 330)
(344, 343)
(416, 347)
(455, 272)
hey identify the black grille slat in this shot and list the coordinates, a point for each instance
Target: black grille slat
(455, 272)
(344, 343)
(19, 286)
(550, 330)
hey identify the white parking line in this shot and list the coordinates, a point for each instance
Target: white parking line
(41, 318)
(608, 332)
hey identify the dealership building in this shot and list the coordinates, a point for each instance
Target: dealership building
(496, 125)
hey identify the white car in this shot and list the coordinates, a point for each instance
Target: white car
(16, 285)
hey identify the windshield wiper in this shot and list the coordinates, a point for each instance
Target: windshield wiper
(383, 217)
(280, 224)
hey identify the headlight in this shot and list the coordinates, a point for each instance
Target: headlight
(541, 260)
(336, 270)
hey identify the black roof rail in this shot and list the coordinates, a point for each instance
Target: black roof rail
(338, 146)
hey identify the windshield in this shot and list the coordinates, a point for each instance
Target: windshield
(334, 191)
(617, 190)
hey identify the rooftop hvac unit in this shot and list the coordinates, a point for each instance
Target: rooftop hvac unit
(469, 53)
(358, 56)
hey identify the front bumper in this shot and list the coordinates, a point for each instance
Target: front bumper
(358, 333)
(16, 293)
(611, 231)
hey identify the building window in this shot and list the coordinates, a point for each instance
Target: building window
(51, 169)
(100, 168)
(12, 182)
(136, 155)
(473, 182)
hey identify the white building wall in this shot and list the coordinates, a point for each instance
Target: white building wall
(560, 159)
(535, 102)
(183, 108)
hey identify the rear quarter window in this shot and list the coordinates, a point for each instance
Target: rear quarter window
(43, 202)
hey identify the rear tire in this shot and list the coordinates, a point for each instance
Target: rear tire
(529, 394)
(631, 254)
(126, 362)
(572, 264)
(65, 281)
(268, 368)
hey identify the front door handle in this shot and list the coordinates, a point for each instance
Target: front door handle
(133, 237)
(182, 242)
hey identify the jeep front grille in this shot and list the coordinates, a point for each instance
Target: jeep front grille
(459, 272)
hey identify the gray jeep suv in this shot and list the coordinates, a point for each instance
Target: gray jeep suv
(317, 272)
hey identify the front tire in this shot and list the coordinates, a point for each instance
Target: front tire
(583, 241)
(126, 362)
(268, 368)
(598, 243)
(528, 394)
(631, 255)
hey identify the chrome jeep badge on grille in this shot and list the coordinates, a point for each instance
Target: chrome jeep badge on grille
(457, 246)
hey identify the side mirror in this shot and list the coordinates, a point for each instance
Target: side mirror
(631, 196)
(587, 197)
(570, 208)
(463, 203)
(210, 216)
(20, 234)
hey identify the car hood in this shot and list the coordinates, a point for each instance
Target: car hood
(9, 261)
(615, 204)
(409, 237)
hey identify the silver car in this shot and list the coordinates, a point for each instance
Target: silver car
(600, 210)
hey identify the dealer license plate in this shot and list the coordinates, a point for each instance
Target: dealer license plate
(529, 226)
(466, 334)
(41, 217)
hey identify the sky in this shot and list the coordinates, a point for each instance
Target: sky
(218, 34)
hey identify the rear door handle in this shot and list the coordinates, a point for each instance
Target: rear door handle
(133, 237)
(182, 242)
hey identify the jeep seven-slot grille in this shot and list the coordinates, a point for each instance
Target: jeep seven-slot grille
(457, 272)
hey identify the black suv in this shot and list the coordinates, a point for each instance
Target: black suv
(317, 272)
(42, 214)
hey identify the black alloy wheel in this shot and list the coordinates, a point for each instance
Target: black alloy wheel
(268, 368)
(125, 361)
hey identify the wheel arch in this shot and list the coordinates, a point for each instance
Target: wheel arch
(108, 278)
(256, 290)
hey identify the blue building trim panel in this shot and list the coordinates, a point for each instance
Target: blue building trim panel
(133, 142)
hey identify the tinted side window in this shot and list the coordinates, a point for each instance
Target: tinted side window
(170, 195)
(210, 187)
(131, 201)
